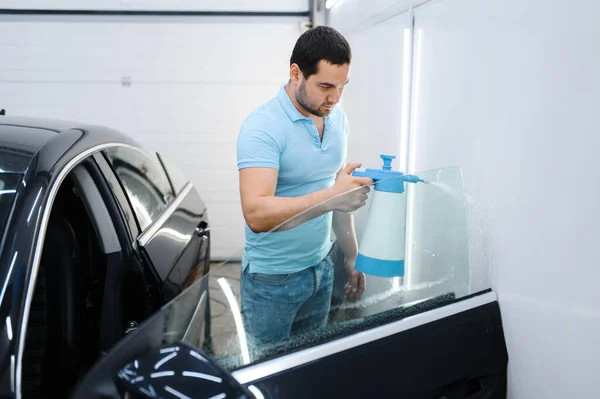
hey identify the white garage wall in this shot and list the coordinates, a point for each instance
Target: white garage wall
(508, 90)
(372, 100)
(187, 5)
(192, 81)
(350, 16)
(377, 106)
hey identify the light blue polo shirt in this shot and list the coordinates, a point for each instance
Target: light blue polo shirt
(276, 135)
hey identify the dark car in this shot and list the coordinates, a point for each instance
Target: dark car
(96, 235)
(431, 332)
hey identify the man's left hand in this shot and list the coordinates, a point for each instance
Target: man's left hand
(356, 281)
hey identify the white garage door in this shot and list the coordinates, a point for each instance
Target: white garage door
(180, 85)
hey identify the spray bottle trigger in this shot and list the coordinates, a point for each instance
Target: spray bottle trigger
(359, 172)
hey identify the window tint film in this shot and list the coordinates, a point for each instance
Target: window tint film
(415, 250)
(144, 180)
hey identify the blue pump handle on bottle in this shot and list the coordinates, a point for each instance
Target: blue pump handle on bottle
(386, 179)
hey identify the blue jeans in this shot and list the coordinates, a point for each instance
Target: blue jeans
(274, 306)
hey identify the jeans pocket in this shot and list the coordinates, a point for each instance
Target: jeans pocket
(329, 260)
(274, 279)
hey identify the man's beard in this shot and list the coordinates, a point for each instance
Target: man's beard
(302, 99)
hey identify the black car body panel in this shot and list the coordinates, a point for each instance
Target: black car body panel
(9, 182)
(18, 146)
(21, 242)
(461, 356)
(22, 138)
(181, 243)
(43, 154)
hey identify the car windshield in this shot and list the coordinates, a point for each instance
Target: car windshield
(8, 189)
(419, 237)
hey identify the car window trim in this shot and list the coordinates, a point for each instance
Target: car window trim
(39, 243)
(97, 210)
(268, 368)
(4, 231)
(169, 178)
(131, 226)
(151, 230)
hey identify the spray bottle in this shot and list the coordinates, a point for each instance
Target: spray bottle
(381, 250)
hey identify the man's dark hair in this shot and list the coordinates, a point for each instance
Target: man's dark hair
(320, 43)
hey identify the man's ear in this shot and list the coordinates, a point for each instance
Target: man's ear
(295, 73)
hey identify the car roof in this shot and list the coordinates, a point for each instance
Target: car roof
(22, 137)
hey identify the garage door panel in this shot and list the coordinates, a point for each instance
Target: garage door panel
(188, 110)
(212, 50)
(180, 86)
(188, 5)
(74, 101)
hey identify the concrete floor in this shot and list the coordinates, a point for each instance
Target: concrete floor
(225, 339)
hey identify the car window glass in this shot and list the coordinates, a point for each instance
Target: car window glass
(428, 222)
(144, 180)
(176, 176)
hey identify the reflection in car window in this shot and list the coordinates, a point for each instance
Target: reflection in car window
(8, 186)
(176, 175)
(437, 272)
(144, 180)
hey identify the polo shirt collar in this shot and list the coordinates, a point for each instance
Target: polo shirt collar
(288, 106)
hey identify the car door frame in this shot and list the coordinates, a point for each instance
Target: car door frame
(39, 195)
(112, 330)
(186, 203)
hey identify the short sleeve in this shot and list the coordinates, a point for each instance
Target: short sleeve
(257, 145)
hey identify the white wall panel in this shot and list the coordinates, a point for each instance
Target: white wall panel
(357, 15)
(372, 101)
(186, 5)
(210, 50)
(193, 81)
(508, 91)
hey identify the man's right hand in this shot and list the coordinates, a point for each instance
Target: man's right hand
(350, 191)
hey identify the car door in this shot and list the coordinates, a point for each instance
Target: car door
(174, 225)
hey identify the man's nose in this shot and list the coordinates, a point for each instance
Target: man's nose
(334, 96)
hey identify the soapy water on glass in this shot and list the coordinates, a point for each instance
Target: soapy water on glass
(372, 300)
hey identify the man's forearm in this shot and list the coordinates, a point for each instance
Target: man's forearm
(269, 212)
(343, 227)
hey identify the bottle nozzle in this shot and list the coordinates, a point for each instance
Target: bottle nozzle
(387, 161)
(414, 179)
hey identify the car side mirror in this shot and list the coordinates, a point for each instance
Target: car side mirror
(178, 371)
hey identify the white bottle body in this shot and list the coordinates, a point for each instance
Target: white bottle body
(383, 237)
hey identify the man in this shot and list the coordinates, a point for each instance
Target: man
(291, 154)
